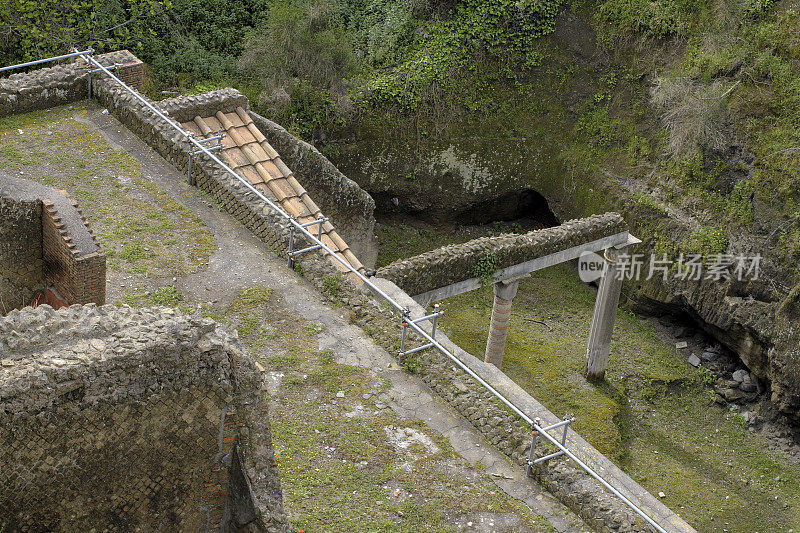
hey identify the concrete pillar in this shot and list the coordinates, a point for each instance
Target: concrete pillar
(605, 310)
(504, 293)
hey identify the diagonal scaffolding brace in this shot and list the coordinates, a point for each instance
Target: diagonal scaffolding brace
(532, 459)
(292, 252)
(218, 137)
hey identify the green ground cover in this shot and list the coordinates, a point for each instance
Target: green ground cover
(654, 415)
(339, 471)
(140, 228)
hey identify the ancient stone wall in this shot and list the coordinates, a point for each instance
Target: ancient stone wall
(63, 83)
(571, 485)
(121, 419)
(507, 432)
(185, 108)
(20, 251)
(458, 262)
(42, 88)
(226, 190)
(349, 206)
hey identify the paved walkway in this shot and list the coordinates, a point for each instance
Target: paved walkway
(242, 261)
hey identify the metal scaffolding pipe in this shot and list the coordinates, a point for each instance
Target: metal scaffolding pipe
(591, 472)
(46, 60)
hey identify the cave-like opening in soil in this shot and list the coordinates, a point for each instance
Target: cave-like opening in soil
(526, 208)
(405, 232)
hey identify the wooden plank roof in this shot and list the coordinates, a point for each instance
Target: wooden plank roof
(246, 151)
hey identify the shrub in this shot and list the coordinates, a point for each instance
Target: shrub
(621, 19)
(485, 268)
(694, 114)
(707, 242)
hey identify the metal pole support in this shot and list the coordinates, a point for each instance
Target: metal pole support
(290, 261)
(292, 252)
(565, 423)
(189, 178)
(89, 82)
(407, 321)
(532, 453)
(404, 320)
(436, 315)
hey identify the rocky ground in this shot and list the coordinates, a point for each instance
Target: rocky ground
(737, 389)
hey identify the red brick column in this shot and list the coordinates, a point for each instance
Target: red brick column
(504, 293)
(78, 278)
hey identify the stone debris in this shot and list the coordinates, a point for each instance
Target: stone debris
(708, 356)
(405, 438)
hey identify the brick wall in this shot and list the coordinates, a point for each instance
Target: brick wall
(130, 68)
(21, 274)
(78, 278)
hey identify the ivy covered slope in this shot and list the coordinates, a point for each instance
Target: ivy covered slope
(683, 115)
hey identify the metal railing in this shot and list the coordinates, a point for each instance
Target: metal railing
(407, 322)
(46, 60)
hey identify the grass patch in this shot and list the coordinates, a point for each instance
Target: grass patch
(339, 472)
(141, 229)
(167, 296)
(653, 415)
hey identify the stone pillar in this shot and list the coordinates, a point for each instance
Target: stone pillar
(504, 293)
(605, 310)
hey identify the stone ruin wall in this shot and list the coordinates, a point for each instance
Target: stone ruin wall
(350, 208)
(569, 484)
(62, 84)
(20, 252)
(457, 262)
(122, 419)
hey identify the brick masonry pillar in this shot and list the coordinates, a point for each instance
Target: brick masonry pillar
(605, 311)
(131, 70)
(504, 293)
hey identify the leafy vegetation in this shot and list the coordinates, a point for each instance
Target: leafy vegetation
(486, 267)
(33, 29)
